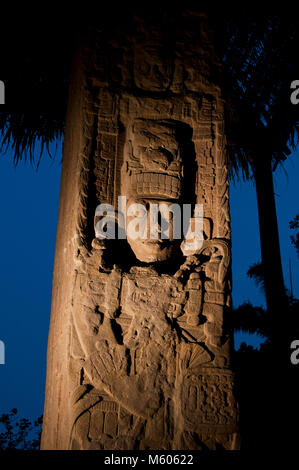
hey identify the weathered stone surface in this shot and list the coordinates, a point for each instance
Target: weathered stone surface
(139, 356)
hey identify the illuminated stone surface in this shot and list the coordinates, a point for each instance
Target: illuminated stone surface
(138, 354)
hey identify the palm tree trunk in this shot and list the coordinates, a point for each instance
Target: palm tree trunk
(276, 298)
(277, 367)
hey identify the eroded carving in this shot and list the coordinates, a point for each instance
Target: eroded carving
(155, 353)
(149, 353)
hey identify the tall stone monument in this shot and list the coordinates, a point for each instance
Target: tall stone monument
(139, 352)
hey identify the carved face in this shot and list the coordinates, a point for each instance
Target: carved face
(150, 248)
(152, 174)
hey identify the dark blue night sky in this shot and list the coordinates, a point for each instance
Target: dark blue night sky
(29, 207)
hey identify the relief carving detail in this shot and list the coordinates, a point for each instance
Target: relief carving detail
(148, 349)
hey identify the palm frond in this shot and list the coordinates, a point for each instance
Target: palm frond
(35, 67)
(258, 54)
(250, 319)
(256, 272)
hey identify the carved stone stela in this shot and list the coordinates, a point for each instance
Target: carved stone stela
(148, 349)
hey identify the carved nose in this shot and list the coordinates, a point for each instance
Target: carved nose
(157, 228)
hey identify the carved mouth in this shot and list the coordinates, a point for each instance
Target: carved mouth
(156, 242)
(158, 185)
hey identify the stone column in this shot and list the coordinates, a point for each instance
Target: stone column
(138, 354)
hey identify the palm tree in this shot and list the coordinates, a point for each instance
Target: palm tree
(35, 67)
(258, 59)
(261, 395)
(294, 224)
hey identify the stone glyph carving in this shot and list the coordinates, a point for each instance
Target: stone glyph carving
(155, 351)
(153, 342)
(149, 354)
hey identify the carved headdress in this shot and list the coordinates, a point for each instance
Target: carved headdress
(153, 165)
